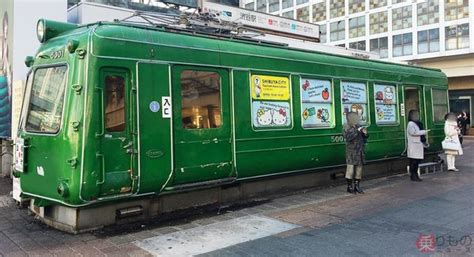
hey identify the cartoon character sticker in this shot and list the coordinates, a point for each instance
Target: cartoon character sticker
(271, 114)
(388, 95)
(316, 115)
(385, 94)
(386, 113)
(315, 90)
(257, 87)
(360, 109)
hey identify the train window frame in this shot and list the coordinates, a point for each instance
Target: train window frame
(27, 98)
(397, 104)
(368, 123)
(433, 104)
(290, 100)
(333, 123)
(201, 69)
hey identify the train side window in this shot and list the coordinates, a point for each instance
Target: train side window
(316, 103)
(385, 104)
(271, 102)
(440, 104)
(200, 99)
(354, 99)
(115, 103)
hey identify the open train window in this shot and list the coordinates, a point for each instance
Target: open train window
(354, 99)
(271, 102)
(316, 103)
(440, 104)
(115, 103)
(385, 104)
(200, 99)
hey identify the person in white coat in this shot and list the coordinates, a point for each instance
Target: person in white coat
(452, 132)
(415, 151)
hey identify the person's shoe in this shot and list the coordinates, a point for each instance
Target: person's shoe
(357, 187)
(418, 179)
(456, 169)
(452, 170)
(350, 186)
(412, 177)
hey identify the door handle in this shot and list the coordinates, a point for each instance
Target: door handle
(127, 145)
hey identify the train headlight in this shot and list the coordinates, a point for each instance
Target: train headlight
(40, 30)
(47, 29)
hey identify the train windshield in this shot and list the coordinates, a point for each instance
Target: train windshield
(46, 100)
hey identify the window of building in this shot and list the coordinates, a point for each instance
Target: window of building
(338, 30)
(385, 104)
(302, 14)
(115, 103)
(402, 44)
(200, 99)
(319, 12)
(317, 108)
(289, 14)
(356, 6)
(250, 6)
(262, 5)
(428, 12)
(380, 46)
(378, 23)
(377, 3)
(46, 101)
(456, 9)
(457, 36)
(322, 33)
(301, 2)
(354, 99)
(401, 18)
(357, 27)
(398, 1)
(337, 8)
(359, 45)
(271, 102)
(273, 5)
(440, 104)
(428, 41)
(286, 4)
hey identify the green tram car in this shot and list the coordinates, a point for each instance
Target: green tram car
(118, 110)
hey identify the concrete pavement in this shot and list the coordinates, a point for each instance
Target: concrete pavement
(395, 217)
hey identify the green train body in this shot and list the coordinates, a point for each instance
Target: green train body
(127, 124)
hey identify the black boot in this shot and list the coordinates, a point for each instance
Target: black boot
(350, 186)
(357, 187)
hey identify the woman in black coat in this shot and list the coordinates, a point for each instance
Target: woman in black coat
(355, 137)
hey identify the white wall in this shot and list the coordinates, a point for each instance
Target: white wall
(26, 14)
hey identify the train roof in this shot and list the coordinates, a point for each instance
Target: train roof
(163, 35)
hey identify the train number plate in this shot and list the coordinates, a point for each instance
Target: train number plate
(19, 154)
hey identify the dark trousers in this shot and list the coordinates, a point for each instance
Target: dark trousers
(414, 163)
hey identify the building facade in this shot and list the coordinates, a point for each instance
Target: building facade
(431, 33)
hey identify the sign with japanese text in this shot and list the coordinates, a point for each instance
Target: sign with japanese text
(353, 92)
(315, 90)
(270, 87)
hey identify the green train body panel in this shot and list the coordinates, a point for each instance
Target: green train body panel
(154, 154)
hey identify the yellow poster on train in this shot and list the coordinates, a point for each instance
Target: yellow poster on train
(270, 87)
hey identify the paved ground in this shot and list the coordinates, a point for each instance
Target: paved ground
(395, 217)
